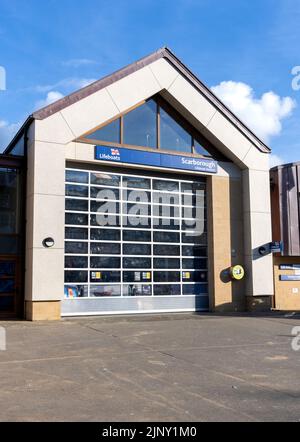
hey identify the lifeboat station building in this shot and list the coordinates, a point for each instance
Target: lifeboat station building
(140, 193)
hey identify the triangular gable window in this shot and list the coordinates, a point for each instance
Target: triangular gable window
(153, 125)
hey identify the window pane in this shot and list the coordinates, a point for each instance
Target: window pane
(137, 290)
(167, 276)
(193, 251)
(76, 291)
(76, 262)
(136, 222)
(137, 249)
(75, 176)
(105, 276)
(172, 135)
(200, 150)
(9, 245)
(74, 190)
(194, 263)
(137, 209)
(105, 248)
(166, 290)
(140, 125)
(195, 289)
(76, 247)
(137, 276)
(166, 250)
(7, 303)
(136, 235)
(166, 211)
(9, 196)
(77, 219)
(192, 187)
(166, 224)
(169, 186)
(105, 179)
(166, 237)
(7, 285)
(166, 263)
(7, 268)
(110, 132)
(105, 234)
(136, 263)
(105, 290)
(105, 262)
(76, 276)
(136, 182)
(137, 196)
(77, 205)
(103, 193)
(194, 276)
(105, 207)
(104, 220)
(167, 199)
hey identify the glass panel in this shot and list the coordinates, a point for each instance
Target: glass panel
(194, 263)
(76, 291)
(136, 222)
(9, 194)
(105, 290)
(105, 262)
(105, 179)
(136, 263)
(166, 290)
(193, 187)
(76, 219)
(103, 193)
(172, 135)
(166, 263)
(105, 207)
(74, 190)
(195, 289)
(140, 125)
(137, 196)
(136, 182)
(110, 133)
(136, 235)
(104, 220)
(137, 290)
(193, 251)
(137, 209)
(75, 176)
(200, 150)
(166, 224)
(194, 276)
(105, 234)
(193, 200)
(7, 285)
(166, 237)
(167, 199)
(105, 276)
(77, 205)
(166, 250)
(76, 233)
(76, 262)
(7, 268)
(194, 239)
(105, 248)
(9, 245)
(76, 276)
(137, 249)
(169, 186)
(137, 276)
(7, 303)
(76, 247)
(167, 276)
(166, 211)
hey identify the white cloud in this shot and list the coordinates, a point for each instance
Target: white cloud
(51, 97)
(7, 132)
(72, 83)
(78, 62)
(276, 160)
(263, 115)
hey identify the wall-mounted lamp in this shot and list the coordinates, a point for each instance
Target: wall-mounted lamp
(48, 242)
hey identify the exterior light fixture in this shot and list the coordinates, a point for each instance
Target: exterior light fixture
(48, 242)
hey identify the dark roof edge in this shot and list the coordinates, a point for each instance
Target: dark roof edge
(283, 166)
(112, 78)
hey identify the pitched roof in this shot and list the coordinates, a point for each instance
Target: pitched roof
(112, 78)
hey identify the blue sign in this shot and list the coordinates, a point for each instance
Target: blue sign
(276, 247)
(289, 267)
(289, 277)
(133, 156)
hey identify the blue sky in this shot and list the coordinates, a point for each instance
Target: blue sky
(51, 48)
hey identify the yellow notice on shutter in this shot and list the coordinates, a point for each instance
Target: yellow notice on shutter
(98, 275)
